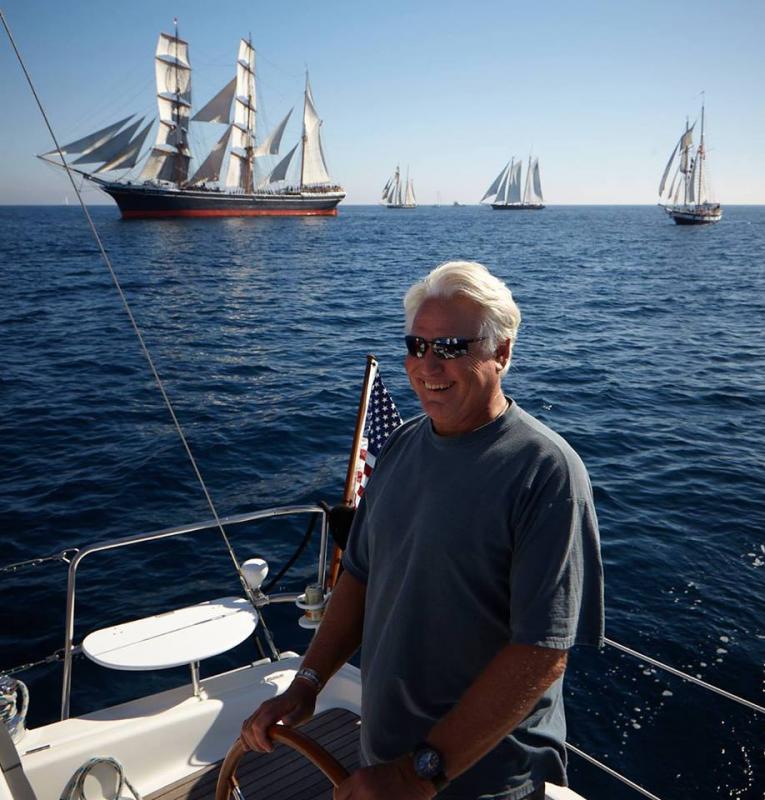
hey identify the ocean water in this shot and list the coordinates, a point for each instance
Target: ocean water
(642, 343)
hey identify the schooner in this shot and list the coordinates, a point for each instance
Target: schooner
(225, 183)
(687, 200)
(397, 193)
(506, 188)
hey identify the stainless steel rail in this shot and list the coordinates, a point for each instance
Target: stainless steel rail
(167, 533)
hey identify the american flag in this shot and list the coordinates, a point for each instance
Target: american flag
(381, 420)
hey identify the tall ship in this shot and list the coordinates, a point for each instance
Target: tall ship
(506, 188)
(687, 197)
(398, 193)
(228, 181)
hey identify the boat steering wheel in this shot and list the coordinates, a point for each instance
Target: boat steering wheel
(315, 753)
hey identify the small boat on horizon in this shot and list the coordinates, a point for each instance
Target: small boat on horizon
(506, 188)
(688, 198)
(166, 185)
(399, 193)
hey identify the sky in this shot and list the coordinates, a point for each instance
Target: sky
(599, 91)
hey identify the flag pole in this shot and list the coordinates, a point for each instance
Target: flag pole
(350, 475)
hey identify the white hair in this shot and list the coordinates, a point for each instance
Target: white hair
(500, 316)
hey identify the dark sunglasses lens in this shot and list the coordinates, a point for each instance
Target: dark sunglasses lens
(415, 345)
(450, 348)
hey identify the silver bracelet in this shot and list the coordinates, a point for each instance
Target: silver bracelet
(310, 675)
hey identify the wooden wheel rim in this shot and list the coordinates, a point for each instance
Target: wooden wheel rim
(295, 739)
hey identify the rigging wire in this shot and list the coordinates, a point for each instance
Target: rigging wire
(115, 280)
(685, 676)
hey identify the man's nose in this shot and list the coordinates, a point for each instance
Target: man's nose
(431, 361)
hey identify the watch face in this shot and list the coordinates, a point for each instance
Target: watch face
(427, 763)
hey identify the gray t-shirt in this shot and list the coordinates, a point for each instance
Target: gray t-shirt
(467, 543)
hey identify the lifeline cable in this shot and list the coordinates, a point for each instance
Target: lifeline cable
(686, 677)
(137, 331)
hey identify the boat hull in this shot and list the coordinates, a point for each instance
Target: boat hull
(517, 206)
(695, 216)
(150, 202)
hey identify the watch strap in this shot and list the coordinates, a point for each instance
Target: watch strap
(311, 676)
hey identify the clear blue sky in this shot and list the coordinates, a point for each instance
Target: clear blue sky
(598, 90)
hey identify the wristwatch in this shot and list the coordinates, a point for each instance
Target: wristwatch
(429, 765)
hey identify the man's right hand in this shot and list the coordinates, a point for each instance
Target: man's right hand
(296, 705)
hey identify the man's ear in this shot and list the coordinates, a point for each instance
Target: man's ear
(502, 354)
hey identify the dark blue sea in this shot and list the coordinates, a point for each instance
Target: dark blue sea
(642, 343)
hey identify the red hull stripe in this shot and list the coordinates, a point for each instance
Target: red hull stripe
(221, 212)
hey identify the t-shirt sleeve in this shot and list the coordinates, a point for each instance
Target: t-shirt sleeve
(356, 556)
(556, 597)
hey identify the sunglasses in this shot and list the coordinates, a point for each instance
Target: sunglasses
(444, 347)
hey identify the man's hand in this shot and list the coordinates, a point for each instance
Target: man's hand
(385, 782)
(296, 705)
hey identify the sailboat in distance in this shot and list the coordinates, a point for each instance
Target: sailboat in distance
(397, 193)
(230, 181)
(687, 199)
(506, 188)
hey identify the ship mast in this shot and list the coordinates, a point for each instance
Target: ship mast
(685, 166)
(305, 134)
(700, 153)
(179, 170)
(248, 182)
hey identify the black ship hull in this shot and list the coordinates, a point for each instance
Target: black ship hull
(702, 216)
(156, 202)
(517, 206)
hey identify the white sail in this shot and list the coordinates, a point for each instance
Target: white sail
(279, 172)
(409, 199)
(271, 144)
(172, 68)
(493, 189)
(685, 145)
(111, 148)
(663, 181)
(210, 168)
(129, 156)
(219, 108)
(399, 194)
(170, 157)
(237, 170)
(676, 198)
(394, 191)
(502, 190)
(391, 189)
(244, 100)
(537, 183)
(164, 166)
(242, 132)
(693, 195)
(173, 123)
(90, 142)
(240, 138)
(314, 170)
(527, 184)
(672, 186)
(514, 187)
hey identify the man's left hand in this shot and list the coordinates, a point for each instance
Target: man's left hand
(384, 782)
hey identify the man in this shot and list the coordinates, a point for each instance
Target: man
(473, 565)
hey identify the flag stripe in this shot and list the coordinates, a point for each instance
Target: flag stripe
(381, 420)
